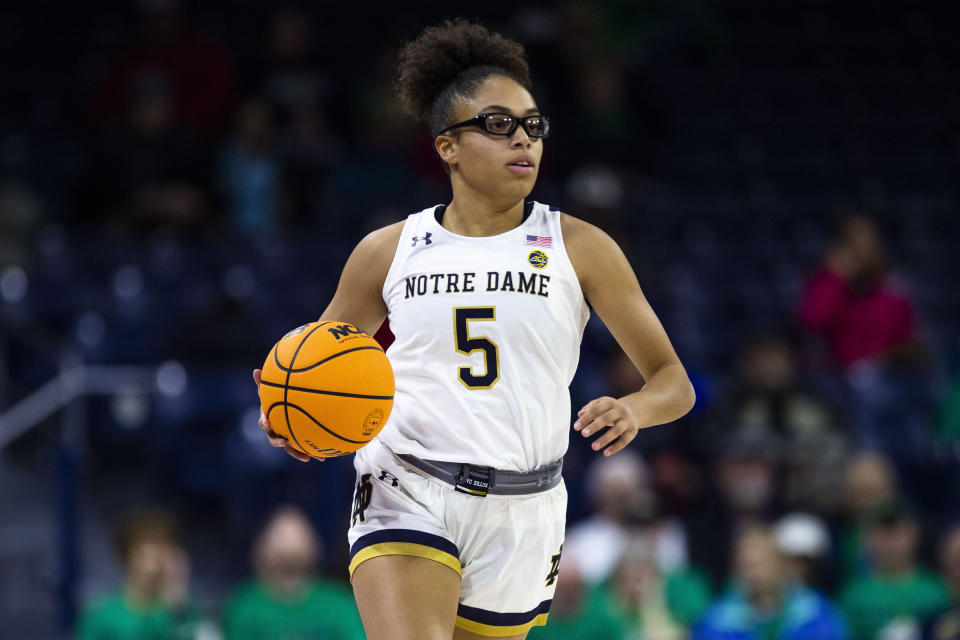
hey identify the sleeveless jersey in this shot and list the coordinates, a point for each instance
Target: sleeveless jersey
(488, 333)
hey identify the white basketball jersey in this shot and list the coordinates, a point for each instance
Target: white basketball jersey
(488, 333)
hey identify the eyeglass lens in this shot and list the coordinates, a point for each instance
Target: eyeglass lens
(504, 124)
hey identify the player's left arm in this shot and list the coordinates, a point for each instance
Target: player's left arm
(611, 287)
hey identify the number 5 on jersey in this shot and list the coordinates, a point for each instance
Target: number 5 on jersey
(467, 345)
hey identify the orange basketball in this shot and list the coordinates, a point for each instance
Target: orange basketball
(327, 387)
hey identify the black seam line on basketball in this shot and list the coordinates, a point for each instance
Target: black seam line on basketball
(317, 364)
(276, 358)
(287, 416)
(316, 422)
(329, 358)
(293, 358)
(289, 426)
(342, 394)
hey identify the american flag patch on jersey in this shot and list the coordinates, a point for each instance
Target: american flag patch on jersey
(539, 241)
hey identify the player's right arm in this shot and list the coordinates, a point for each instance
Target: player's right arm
(357, 300)
(359, 295)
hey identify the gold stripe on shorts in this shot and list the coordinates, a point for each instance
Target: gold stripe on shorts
(496, 631)
(404, 549)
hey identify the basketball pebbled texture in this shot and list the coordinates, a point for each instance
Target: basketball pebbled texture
(327, 387)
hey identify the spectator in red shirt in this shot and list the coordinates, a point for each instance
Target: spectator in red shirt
(195, 67)
(853, 302)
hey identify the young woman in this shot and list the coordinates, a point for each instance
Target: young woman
(459, 509)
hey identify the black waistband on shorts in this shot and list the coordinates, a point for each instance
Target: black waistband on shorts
(479, 481)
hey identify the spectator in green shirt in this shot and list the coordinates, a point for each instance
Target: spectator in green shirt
(286, 601)
(870, 480)
(578, 611)
(896, 594)
(153, 603)
(650, 604)
(946, 624)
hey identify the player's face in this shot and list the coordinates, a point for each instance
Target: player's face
(502, 167)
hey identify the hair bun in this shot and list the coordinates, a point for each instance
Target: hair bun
(443, 52)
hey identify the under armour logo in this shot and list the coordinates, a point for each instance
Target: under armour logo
(386, 476)
(426, 239)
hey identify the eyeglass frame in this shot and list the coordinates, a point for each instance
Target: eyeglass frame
(518, 121)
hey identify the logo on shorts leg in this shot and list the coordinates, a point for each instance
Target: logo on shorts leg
(386, 476)
(361, 498)
(554, 567)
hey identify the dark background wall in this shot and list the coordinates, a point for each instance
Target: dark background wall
(180, 184)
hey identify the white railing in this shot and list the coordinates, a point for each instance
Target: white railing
(70, 384)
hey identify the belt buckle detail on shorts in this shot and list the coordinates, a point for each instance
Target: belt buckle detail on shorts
(474, 480)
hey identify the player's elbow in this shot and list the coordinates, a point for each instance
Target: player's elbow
(688, 395)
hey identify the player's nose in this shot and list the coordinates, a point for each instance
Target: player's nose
(519, 139)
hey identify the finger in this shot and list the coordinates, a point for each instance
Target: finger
(624, 440)
(257, 376)
(605, 419)
(275, 438)
(585, 412)
(590, 411)
(586, 408)
(296, 453)
(609, 436)
(598, 421)
(596, 403)
(602, 401)
(265, 424)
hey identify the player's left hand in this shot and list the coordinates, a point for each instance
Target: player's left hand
(275, 439)
(612, 414)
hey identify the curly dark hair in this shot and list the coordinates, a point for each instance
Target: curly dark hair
(448, 62)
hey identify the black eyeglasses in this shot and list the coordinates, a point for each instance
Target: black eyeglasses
(504, 124)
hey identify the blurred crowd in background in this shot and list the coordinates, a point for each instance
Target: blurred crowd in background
(181, 182)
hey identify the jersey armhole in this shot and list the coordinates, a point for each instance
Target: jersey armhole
(562, 245)
(399, 253)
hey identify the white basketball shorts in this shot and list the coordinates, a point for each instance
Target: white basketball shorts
(505, 548)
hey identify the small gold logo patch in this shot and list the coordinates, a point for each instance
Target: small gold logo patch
(372, 422)
(538, 259)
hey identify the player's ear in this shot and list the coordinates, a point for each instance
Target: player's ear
(446, 147)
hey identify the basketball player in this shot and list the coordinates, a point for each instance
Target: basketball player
(459, 509)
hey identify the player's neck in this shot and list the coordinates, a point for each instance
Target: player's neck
(472, 215)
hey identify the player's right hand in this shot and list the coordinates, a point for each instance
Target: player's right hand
(276, 440)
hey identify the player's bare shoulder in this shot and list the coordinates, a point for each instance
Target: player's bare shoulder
(358, 298)
(587, 245)
(377, 249)
(382, 242)
(578, 233)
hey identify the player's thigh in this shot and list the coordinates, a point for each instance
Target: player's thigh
(406, 598)
(460, 634)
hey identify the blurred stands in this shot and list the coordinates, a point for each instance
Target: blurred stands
(744, 128)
